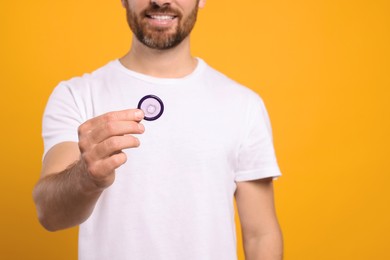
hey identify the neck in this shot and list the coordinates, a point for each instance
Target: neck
(176, 62)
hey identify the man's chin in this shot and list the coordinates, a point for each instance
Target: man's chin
(159, 45)
(159, 41)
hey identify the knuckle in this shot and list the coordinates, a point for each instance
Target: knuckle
(83, 145)
(97, 171)
(93, 169)
(86, 159)
(113, 143)
(110, 127)
(132, 126)
(81, 129)
(111, 116)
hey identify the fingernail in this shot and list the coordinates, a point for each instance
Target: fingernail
(139, 114)
(141, 127)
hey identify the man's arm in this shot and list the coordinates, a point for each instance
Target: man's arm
(262, 237)
(75, 174)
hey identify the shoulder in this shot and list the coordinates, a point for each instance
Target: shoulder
(90, 82)
(88, 78)
(230, 88)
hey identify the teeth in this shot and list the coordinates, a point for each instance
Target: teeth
(162, 17)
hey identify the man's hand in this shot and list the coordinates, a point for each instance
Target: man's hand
(75, 174)
(101, 140)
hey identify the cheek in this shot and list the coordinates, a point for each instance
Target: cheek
(189, 7)
(201, 3)
(137, 6)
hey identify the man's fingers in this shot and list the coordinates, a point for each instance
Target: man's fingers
(114, 128)
(114, 145)
(102, 171)
(102, 139)
(123, 115)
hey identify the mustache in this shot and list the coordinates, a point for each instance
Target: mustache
(154, 9)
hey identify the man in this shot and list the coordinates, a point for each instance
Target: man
(161, 189)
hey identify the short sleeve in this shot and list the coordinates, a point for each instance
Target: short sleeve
(256, 155)
(61, 118)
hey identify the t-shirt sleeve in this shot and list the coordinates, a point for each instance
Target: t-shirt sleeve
(61, 118)
(256, 156)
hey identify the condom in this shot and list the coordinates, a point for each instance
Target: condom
(152, 106)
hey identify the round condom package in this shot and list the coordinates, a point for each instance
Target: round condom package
(152, 106)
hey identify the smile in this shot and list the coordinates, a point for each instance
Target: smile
(162, 17)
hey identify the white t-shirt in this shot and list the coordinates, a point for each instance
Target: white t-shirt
(173, 198)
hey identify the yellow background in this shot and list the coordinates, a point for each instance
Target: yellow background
(321, 66)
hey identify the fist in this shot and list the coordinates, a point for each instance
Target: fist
(102, 139)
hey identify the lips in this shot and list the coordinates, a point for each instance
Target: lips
(161, 17)
(160, 20)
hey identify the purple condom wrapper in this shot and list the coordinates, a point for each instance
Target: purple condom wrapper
(152, 106)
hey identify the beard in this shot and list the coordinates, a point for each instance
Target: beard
(161, 38)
